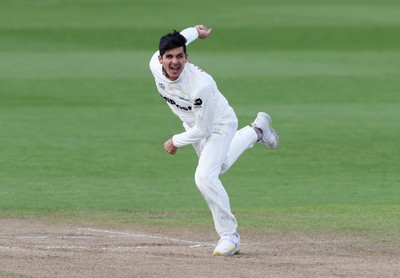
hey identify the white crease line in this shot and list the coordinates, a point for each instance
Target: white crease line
(193, 243)
(46, 237)
(73, 237)
(61, 248)
(57, 247)
(25, 237)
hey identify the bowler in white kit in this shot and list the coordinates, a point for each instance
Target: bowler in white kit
(210, 126)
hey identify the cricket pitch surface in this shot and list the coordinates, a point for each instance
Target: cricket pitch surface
(38, 248)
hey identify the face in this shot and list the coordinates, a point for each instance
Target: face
(173, 62)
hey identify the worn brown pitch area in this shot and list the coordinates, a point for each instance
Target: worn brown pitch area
(47, 249)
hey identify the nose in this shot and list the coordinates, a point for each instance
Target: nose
(174, 60)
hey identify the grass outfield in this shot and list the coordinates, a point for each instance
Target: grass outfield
(82, 125)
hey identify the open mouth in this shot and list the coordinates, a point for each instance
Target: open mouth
(174, 68)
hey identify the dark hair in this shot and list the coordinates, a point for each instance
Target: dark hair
(171, 41)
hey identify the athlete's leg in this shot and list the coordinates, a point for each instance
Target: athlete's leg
(198, 146)
(243, 140)
(213, 154)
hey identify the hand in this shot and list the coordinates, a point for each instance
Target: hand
(169, 147)
(203, 31)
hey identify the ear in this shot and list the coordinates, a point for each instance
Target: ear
(160, 59)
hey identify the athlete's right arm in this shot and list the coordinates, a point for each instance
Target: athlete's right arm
(190, 35)
(198, 31)
(203, 31)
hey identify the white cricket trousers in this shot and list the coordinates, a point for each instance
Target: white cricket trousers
(217, 153)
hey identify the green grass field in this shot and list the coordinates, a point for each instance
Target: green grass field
(82, 125)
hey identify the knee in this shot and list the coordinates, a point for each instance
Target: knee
(203, 180)
(224, 168)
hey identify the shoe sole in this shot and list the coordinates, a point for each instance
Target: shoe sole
(276, 137)
(269, 120)
(237, 251)
(272, 131)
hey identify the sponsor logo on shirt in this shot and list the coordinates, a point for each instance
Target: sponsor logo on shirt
(183, 96)
(217, 131)
(172, 102)
(197, 103)
(161, 85)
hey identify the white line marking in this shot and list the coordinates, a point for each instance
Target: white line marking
(75, 237)
(193, 243)
(197, 245)
(32, 237)
(25, 237)
(46, 237)
(56, 247)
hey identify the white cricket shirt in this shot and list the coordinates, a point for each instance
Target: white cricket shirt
(193, 97)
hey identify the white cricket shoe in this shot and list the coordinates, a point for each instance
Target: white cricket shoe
(264, 122)
(228, 245)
